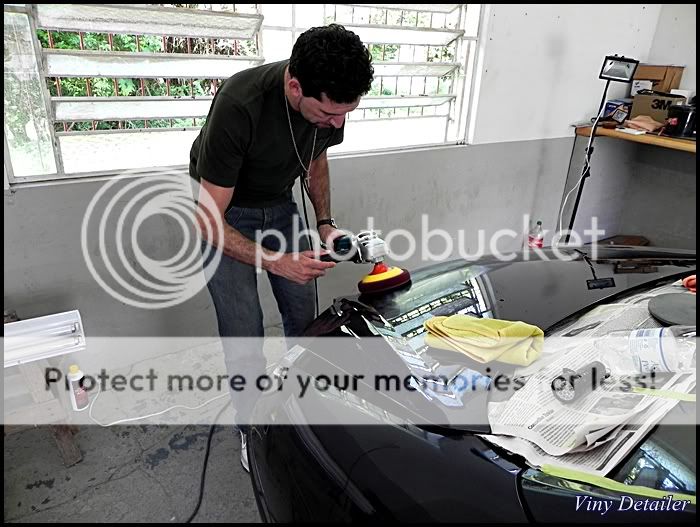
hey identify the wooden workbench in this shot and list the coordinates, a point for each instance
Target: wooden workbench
(685, 145)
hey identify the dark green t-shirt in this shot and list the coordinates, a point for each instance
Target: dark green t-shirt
(246, 142)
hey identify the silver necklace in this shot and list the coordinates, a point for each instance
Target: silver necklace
(296, 150)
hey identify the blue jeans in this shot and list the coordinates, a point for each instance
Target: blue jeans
(233, 286)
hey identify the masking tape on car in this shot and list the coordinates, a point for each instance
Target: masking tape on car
(611, 484)
(666, 394)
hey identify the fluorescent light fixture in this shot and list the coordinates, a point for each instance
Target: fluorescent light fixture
(620, 69)
(43, 337)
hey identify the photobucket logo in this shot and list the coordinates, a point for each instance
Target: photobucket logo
(434, 245)
(140, 239)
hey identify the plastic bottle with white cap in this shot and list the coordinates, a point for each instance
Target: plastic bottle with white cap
(79, 399)
(535, 238)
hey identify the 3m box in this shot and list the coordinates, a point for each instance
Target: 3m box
(654, 105)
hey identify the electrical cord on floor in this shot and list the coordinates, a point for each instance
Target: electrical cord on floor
(131, 419)
(211, 434)
(203, 478)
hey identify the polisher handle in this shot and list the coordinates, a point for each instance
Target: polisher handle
(342, 245)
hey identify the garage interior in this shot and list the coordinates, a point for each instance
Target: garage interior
(508, 142)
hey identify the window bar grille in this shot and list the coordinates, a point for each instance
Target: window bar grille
(116, 82)
(58, 79)
(88, 84)
(214, 82)
(141, 80)
(167, 80)
(189, 51)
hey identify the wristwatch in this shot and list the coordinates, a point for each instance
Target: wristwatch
(328, 221)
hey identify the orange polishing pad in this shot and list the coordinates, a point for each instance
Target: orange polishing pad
(383, 278)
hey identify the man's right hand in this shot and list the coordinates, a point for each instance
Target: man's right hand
(300, 267)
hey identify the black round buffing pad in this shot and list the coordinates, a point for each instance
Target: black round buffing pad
(674, 309)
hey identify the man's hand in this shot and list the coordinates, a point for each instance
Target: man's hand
(300, 267)
(327, 233)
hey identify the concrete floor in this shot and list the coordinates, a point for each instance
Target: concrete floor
(128, 474)
(139, 473)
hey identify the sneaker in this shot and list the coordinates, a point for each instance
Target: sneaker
(244, 452)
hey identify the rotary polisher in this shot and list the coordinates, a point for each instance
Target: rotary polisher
(368, 247)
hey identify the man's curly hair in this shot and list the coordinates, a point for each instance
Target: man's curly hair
(331, 60)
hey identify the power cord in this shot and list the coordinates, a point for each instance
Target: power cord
(208, 449)
(304, 194)
(585, 172)
(131, 419)
(203, 477)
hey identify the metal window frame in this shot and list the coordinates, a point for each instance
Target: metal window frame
(30, 12)
(129, 131)
(444, 9)
(451, 66)
(128, 108)
(401, 101)
(117, 105)
(17, 8)
(146, 65)
(407, 30)
(9, 174)
(150, 22)
(477, 67)
(62, 177)
(46, 96)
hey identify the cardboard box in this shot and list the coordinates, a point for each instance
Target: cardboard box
(663, 78)
(655, 105)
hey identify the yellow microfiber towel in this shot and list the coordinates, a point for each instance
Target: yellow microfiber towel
(486, 339)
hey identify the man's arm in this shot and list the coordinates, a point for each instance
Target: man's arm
(212, 203)
(320, 194)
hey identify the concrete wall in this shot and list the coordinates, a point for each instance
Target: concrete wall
(480, 187)
(45, 271)
(675, 40)
(538, 73)
(661, 197)
(636, 189)
(540, 65)
(605, 191)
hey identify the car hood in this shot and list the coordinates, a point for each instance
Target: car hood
(542, 292)
(388, 334)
